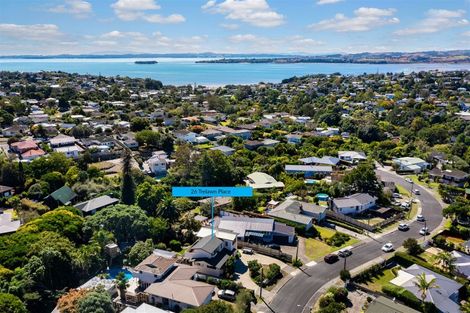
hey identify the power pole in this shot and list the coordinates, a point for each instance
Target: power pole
(261, 284)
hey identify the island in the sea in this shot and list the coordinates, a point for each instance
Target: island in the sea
(146, 62)
(456, 56)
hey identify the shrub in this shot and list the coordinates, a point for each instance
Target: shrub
(344, 275)
(228, 284)
(160, 246)
(368, 273)
(175, 245)
(338, 239)
(402, 295)
(273, 271)
(333, 307)
(340, 294)
(326, 300)
(412, 246)
(254, 268)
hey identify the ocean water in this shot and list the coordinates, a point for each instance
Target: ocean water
(180, 71)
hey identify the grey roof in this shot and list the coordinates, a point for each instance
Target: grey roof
(385, 305)
(209, 244)
(223, 148)
(442, 296)
(96, 203)
(356, 199)
(309, 168)
(462, 263)
(291, 210)
(327, 160)
(242, 224)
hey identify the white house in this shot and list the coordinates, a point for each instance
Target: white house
(185, 135)
(354, 204)
(69, 151)
(158, 163)
(410, 164)
(352, 156)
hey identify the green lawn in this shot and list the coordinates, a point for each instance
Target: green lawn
(204, 146)
(432, 184)
(413, 211)
(403, 191)
(382, 279)
(316, 249)
(325, 232)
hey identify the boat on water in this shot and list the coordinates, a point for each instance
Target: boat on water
(146, 62)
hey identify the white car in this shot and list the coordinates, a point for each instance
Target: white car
(388, 247)
(416, 192)
(420, 218)
(403, 226)
(424, 231)
(408, 180)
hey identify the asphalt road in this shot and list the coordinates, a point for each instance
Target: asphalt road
(294, 296)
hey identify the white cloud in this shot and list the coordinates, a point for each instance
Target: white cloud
(364, 19)
(435, 21)
(230, 26)
(40, 32)
(79, 8)
(130, 10)
(254, 12)
(243, 38)
(467, 34)
(321, 2)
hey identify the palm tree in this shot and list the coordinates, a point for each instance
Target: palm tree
(446, 260)
(121, 284)
(424, 286)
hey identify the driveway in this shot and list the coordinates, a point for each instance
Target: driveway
(299, 292)
(242, 274)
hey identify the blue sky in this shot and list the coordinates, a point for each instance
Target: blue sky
(232, 26)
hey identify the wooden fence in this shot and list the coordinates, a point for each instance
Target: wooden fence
(352, 221)
(265, 250)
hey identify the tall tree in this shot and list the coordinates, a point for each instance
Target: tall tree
(446, 260)
(121, 284)
(11, 304)
(424, 285)
(127, 184)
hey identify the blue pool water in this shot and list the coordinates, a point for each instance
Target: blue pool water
(180, 71)
(112, 272)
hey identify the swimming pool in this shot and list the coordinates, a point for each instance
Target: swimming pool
(113, 271)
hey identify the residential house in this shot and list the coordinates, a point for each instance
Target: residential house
(309, 171)
(32, 154)
(445, 297)
(70, 151)
(155, 267)
(224, 149)
(185, 135)
(211, 133)
(260, 180)
(15, 130)
(23, 146)
(352, 157)
(410, 165)
(242, 133)
(253, 144)
(158, 163)
(93, 205)
(325, 160)
(299, 212)
(354, 204)
(6, 191)
(462, 263)
(209, 255)
(294, 138)
(250, 229)
(385, 305)
(229, 237)
(7, 223)
(144, 308)
(62, 196)
(179, 291)
(61, 141)
(451, 177)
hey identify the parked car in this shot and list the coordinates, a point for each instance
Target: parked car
(424, 231)
(403, 226)
(226, 294)
(274, 246)
(247, 251)
(409, 180)
(344, 253)
(331, 258)
(420, 218)
(416, 192)
(388, 247)
(396, 195)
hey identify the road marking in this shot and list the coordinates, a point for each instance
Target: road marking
(294, 273)
(310, 264)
